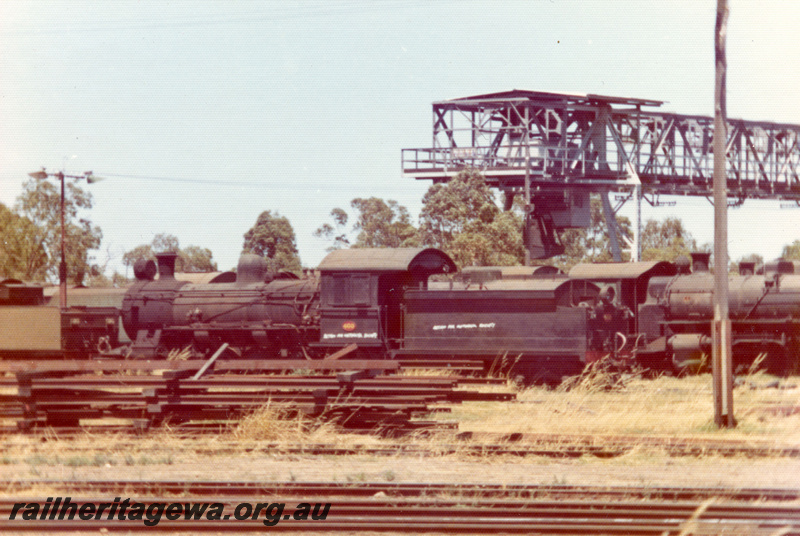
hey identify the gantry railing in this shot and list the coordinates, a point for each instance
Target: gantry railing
(603, 143)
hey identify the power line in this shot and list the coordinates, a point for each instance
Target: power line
(298, 12)
(178, 179)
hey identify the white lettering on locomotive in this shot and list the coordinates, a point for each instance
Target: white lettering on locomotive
(327, 336)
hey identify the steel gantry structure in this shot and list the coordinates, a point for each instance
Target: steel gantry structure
(556, 148)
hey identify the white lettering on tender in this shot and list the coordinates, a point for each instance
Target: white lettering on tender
(440, 327)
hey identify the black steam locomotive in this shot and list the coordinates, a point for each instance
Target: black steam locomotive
(385, 303)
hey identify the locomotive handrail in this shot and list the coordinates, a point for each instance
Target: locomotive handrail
(758, 302)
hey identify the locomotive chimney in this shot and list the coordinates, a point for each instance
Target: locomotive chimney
(683, 265)
(747, 268)
(700, 261)
(166, 264)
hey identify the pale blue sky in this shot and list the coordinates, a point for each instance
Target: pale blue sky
(301, 107)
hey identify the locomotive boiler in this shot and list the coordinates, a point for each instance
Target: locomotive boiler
(259, 312)
(764, 309)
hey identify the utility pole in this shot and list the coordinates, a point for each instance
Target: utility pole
(721, 325)
(62, 266)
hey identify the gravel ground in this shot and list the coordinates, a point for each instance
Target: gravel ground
(634, 469)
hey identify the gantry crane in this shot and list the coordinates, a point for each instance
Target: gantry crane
(557, 148)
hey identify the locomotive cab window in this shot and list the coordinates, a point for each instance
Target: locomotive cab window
(350, 289)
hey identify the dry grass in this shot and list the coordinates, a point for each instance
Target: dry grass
(665, 406)
(426, 373)
(270, 423)
(503, 365)
(180, 355)
(601, 375)
(600, 403)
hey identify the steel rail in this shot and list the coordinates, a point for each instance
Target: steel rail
(395, 490)
(488, 444)
(585, 517)
(357, 399)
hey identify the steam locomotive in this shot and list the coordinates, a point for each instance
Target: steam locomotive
(412, 303)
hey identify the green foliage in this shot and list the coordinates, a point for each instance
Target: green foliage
(22, 255)
(192, 259)
(753, 257)
(791, 252)
(336, 233)
(40, 203)
(379, 224)
(196, 259)
(382, 224)
(461, 218)
(666, 241)
(593, 244)
(272, 237)
(142, 252)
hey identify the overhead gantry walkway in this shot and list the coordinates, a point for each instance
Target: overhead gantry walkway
(555, 148)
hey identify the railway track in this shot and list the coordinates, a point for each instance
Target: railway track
(359, 399)
(438, 508)
(483, 449)
(464, 443)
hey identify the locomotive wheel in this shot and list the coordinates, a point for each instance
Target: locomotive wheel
(773, 358)
(546, 371)
(777, 361)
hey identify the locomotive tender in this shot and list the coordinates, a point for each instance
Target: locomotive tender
(386, 303)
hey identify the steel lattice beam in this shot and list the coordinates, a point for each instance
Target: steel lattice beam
(603, 143)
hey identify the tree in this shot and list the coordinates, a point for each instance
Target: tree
(666, 241)
(196, 259)
(594, 243)
(380, 224)
(461, 218)
(22, 255)
(272, 237)
(192, 259)
(791, 252)
(753, 257)
(143, 252)
(40, 203)
(329, 232)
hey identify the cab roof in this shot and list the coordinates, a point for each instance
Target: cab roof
(429, 260)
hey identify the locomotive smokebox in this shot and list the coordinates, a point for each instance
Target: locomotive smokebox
(166, 265)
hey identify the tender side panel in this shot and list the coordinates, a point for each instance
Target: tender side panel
(475, 323)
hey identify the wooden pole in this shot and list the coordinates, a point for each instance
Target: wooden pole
(721, 325)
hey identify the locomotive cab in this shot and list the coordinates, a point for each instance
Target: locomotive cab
(362, 292)
(624, 321)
